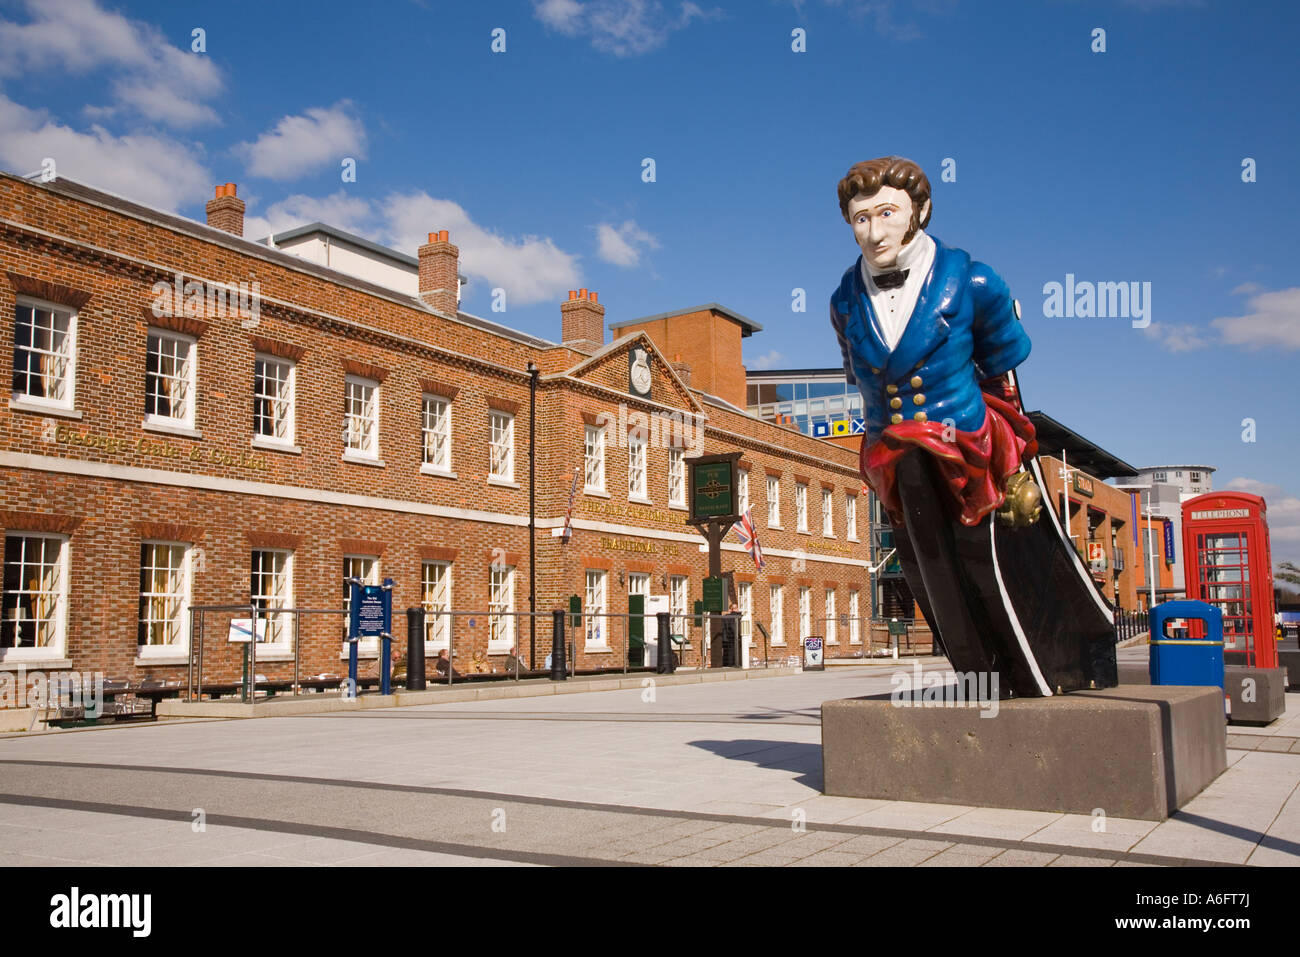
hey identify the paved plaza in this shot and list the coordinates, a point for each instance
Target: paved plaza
(699, 774)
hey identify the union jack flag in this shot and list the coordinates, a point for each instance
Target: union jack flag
(749, 538)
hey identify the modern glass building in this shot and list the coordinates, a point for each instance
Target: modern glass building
(813, 399)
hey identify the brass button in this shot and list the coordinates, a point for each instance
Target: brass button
(918, 399)
(920, 416)
(895, 419)
(916, 382)
(875, 371)
(895, 403)
(891, 389)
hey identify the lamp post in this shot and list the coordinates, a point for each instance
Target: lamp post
(532, 515)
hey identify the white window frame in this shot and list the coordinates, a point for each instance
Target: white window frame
(353, 434)
(56, 644)
(805, 612)
(776, 613)
(773, 501)
(742, 490)
(679, 605)
(595, 606)
(745, 604)
(828, 513)
(355, 564)
(288, 439)
(65, 353)
(501, 447)
(831, 636)
(431, 429)
(181, 647)
(593, 459)
(801, 506)
(850, 516)
(435, 595)
(855, 626)
(637, 480)
(275, 628)
(190, 378)
(677, 478)
(501, 599)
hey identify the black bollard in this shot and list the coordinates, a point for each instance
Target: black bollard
(558, 671)
(415, 649)
(665, 666)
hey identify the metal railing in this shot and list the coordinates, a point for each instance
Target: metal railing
(1129, 624)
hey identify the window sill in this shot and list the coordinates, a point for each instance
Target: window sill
(775, 528)
(168, 428)
(803, 531)
(639, 500)
(440, 473)
(595, 492)
(503, 483)
(363, 654)
(159, 661)
(272, 446)
(40, 408)
(28, 664)
(597, 650)
(678, 507)
(275, 654)
(363, 460)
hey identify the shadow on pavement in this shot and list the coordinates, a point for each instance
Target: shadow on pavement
(803, 759)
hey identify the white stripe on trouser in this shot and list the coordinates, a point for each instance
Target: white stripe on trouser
(1011, 612)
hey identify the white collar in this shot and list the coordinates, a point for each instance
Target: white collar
(913, 253)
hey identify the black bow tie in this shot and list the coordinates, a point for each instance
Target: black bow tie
(890, 280)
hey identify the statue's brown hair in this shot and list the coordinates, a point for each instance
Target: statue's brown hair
(868, 176)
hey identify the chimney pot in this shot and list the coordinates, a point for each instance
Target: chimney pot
(573, 294)
(433, 237)
(582, 294)
(443, 236)
(593, 297)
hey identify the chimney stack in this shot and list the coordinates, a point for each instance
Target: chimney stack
(582, 321)
(226, 210)
(439, 274)
(683, 370)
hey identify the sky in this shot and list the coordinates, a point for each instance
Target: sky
(668, 154)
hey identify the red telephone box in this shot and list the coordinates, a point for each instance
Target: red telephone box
(1226, 563)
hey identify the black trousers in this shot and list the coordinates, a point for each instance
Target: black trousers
(1003, 601)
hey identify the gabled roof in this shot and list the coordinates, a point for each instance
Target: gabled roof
(618, 345)
(747, 326)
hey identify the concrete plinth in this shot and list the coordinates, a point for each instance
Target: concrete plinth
(1258, 694)
(1134, 751)
(1134, 673)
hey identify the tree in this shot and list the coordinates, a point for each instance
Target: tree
(1287, 572)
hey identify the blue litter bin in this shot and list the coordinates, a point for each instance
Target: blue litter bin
(1177, 659)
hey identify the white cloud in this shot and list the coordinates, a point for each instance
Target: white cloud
(299, 144)
(530, 268)
(350, 213)
(1274, 321)
(151, 77)
(148, 168)
(1283, 516)
(768, 360)
(622, 245)
(623, 28)
(1179, 337)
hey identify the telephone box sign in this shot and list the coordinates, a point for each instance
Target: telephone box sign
(1221, 513)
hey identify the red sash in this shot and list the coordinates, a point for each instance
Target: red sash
(974, 465)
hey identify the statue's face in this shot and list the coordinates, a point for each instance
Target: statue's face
(880, 222)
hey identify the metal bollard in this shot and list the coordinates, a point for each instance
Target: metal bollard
(415, 649)
(558, 670)
(665, 666)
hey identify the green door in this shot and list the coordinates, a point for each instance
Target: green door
(636, 631)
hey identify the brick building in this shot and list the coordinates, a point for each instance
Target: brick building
(199, 419)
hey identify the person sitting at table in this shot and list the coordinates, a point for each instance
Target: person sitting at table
(443, 664)
(514, 664)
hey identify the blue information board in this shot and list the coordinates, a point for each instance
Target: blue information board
(371, 616)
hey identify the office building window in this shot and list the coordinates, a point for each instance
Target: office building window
(828, 514)
(636, 477)
(169, 381)
(742, 490)
(273, 388)
(365, 568)
(33, 608)
(830, 617)
(270, 591)
(851, 517)
(776, 610)
(773, 502)
(501, 604)
(435, 597)
(164, 598)
(594, 458)
(435, 432)
(44, 354)
(678, 604)
(677, 477)
(501, 455)
(805, 612)
(361, 417)
(801, 506)
(855, 626)
(595, 633)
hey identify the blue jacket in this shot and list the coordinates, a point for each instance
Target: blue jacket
(964, 328)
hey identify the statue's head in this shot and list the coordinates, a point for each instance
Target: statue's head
(886, 201)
